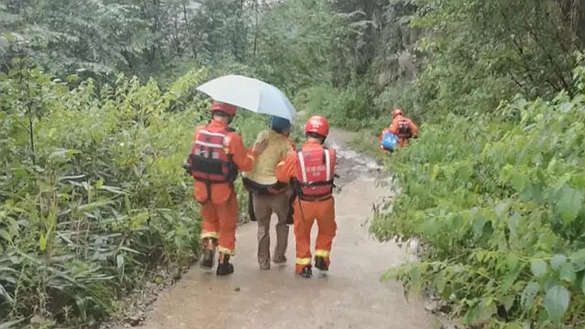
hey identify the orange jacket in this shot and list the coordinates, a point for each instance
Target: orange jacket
(403, 141)
(242, 157)
(289, 166)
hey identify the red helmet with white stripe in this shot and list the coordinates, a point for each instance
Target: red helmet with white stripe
(223, 107)
(317, 125)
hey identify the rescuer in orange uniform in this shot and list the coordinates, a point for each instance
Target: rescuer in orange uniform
(217, 155)
(402, 127)
(312, 171)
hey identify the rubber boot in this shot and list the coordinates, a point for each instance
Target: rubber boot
(321, 264)
(306, 272)
(224, 267)
(207, 260)
(209, 245)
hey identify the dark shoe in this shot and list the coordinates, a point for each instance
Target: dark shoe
(279, 260)
(321, 264)
(265, 266)
(306, 272)
(224, 267)
(207, 261)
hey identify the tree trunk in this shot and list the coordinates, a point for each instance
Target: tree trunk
(256, 26)
(32, 138)
(573, 11)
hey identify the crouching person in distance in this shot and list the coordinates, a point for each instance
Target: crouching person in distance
(402, 127)
(217, 155)
(312, 170)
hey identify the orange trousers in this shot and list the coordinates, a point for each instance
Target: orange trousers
(305, 214)
(219, 222)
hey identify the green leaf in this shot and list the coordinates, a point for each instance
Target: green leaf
(578, 258)
(530, 291)
(569, 204)
(557, 261)
(483, 311)
(556, 302)
(43, 242)
(4, 293)
(583, 284)
(478, 226)
(120, 262)
(5, 235)
(538, 268)
(567, 273)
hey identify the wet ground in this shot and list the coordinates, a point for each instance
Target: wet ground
(351, 295)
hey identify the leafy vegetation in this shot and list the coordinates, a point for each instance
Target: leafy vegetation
(500, 216)
(493, 188)
(101, 196)
(97, 110)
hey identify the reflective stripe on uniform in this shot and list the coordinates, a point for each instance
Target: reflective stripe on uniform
(206, 132)
(304, 261)
(209, 235)
(226, 251)
(208, 144)
(321, 253)
(302, 164)
(226, 141)
(328, 164)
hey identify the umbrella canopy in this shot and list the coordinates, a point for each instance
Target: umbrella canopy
(250, 94)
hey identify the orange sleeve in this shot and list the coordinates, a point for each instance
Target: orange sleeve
(287, 168)
(243, 158)
(393, 127)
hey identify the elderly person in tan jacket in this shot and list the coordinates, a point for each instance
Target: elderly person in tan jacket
(269, 196)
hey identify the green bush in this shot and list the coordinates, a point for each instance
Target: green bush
(102, 200)
(497, 203)
(349, 107)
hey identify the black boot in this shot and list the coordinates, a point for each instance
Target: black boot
(321, 264)
(224, 267)
(306, 272)
(208, 256)
(209, 245)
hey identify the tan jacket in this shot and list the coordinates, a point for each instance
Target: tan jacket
(278, 147)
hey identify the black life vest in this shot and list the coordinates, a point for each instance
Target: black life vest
(404, 129)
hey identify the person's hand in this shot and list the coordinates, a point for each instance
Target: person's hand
(259, 147)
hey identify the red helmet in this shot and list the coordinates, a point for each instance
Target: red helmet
(223, 107)
(396, 113)
(317, 125)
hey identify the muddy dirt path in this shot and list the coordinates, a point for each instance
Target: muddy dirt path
(349, 296)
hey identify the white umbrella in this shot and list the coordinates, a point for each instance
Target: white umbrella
(250, 94)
